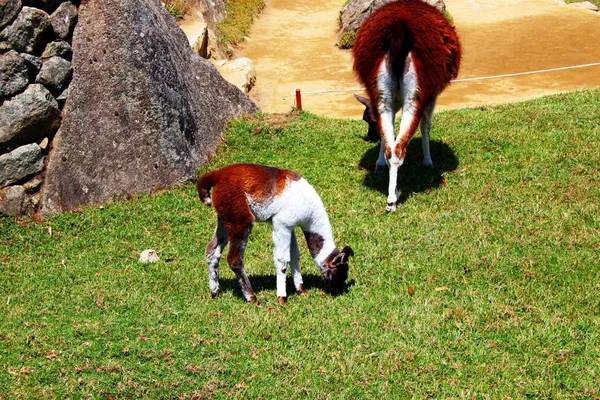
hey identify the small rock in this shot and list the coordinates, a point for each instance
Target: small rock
(14, 202)
(34, 64)
(27, 33)
(55, 73)
(63, 96)
(58, 48)
(43, 143)
(14, 76)
(148, 256)
(33, 185)
(64, 20)
(28, 116)
(35, 199)
(239, 72)
(20, 163)
(9, 9)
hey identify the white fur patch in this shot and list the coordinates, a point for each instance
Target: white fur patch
(298, 205)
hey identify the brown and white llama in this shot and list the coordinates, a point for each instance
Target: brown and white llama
(405, 54)
(245, 193)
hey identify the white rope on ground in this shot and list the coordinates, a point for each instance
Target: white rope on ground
(526, 73)
(480, 78)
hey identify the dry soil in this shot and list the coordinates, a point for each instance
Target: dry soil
(292, 45)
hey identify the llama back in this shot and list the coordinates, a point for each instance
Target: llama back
(402, 26)
(236, 183)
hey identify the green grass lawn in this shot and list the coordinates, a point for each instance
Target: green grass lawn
(238, 21)
(500, 244)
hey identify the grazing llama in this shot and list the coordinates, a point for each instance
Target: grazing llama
(244, 193)
(405, 54)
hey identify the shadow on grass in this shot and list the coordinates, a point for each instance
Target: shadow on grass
(413, 177)
(268, 282)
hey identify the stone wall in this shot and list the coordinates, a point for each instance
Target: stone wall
(100, 100)
(35, 72)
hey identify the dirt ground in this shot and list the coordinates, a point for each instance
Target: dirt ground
(292, 46)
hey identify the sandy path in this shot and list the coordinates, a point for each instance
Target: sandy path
(292, 45)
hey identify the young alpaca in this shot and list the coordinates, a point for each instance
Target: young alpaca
(405, 54)
(244, 193)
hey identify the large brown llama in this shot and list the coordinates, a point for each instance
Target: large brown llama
(405, 54)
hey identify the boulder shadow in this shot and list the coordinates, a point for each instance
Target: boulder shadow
(268, 282)
(413, 177)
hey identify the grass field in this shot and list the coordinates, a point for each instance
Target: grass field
(499, 246)
(238, 21)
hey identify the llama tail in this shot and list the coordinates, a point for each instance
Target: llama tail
(204, 184)
(399, 45)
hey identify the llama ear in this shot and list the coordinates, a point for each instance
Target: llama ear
(342, 258)
(348, 251)
(339, 259)
(368, 115)
(363, 100)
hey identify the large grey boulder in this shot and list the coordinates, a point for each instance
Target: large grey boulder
(355, 12)
(14, 76)
(20, 163)
(213, 11)
(64, 19)
(28, 116)
(9, 9)
(240, 72)
(28, 33)
(54, 74)
(143, 112)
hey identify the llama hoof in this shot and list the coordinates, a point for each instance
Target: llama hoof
(427, 164)
(282, 300)
(252, 299)
(302, 291)
(391, 207)
(215, 293)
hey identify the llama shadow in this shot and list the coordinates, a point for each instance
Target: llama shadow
(413, 177)
(268, 282)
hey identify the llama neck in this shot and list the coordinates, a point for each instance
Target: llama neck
(319, 236)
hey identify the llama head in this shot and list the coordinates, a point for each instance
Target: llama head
(336, 270)
(369, 118)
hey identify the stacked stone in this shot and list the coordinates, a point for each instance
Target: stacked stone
(35, 72)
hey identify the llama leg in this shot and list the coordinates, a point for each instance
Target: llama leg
(238, 239)
(386, 96)
(387, 124)
(392, 199)
(426, 121)
(411, 114)
(380, 164)
(295, 263)
(214, 250)
(282, 238)
(410, 119)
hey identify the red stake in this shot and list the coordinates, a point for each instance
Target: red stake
(298, 100)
